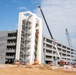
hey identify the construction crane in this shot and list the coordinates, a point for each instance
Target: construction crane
(54, 42)
(68, 38)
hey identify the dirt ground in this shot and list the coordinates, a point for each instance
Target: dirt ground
(32, 70)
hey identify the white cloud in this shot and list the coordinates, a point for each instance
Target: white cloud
(22, 8)
(60, 14)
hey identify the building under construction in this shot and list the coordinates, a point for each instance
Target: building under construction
(50, 54)
(7, 46)
(27, 43)
(29, 38)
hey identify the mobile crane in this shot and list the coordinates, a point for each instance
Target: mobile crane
(54, 42)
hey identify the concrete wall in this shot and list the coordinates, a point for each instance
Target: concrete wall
(67, 54)
(3, 42)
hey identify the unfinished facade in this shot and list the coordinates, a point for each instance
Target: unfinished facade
(7, 46)
(29, 38)
(50, 53)
(27, 44)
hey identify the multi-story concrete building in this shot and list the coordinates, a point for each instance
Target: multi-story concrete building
(7, 46)
(29, 38)
(50, 53)
(27, 44)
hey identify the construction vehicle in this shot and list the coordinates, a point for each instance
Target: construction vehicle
(54, 42)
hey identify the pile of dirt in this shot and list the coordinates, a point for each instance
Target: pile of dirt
(32, 70)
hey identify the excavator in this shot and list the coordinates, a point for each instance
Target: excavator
(54, 42)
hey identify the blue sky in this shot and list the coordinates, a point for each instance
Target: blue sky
(60, 14)
(9, 10)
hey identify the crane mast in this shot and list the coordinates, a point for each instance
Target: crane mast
(68, 38)
(54, 42)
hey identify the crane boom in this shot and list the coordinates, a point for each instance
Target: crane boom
(50, 33)
(46, 23)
